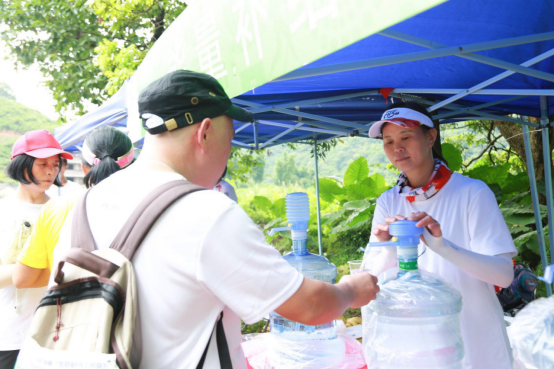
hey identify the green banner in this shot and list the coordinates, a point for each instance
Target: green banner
(247, 43)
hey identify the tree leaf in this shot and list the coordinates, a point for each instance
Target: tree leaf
(359, 192)
(490, 174)
(363, 215)
(379, 180)
(506, 211)
(357, 205)
(532, 244)
(356, 172)
(453, 156)
(262, 203)
(497, 191)
(518, 183)
(520, 219)
(273, 223)
(520, 240)
(517, 230)
(329, 189)
(331, 217)
(279, 208)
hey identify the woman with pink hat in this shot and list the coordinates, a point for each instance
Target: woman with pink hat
(35, 164)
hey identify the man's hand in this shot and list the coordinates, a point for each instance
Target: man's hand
(362, 287)
(317, 302)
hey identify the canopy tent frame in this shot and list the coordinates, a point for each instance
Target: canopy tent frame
(299, 123)
(317, 123)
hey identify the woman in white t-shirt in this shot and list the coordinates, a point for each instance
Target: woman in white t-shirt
(35, 163)
(469, 243)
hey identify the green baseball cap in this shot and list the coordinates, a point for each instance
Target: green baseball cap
(182, 98)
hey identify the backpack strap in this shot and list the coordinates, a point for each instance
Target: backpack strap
(82, 246)
(81, 236)
(85, 260)
(222, 347)
(147, 213)
(129, 237)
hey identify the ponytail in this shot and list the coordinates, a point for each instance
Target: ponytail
(107, 144)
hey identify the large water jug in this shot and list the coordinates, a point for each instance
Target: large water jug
(414, 321)
(310, 265)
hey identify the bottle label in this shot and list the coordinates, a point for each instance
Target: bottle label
(407, 265)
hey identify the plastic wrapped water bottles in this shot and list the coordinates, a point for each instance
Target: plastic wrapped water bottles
(414, 321)
(532, 335)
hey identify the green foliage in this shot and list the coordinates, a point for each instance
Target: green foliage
(16, 119)
(356, 198)
(286, 171)
(242, 163)
(60, 37)
(117, 64)
(356, 172)
(86, 48)
(490, 174)
(453, 156)
(329, 189)
(6, 91)
(258, 170)
(347, 207)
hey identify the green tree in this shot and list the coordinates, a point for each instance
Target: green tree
(258, 171)
(285, 169)
(86, 48)
(16, 119)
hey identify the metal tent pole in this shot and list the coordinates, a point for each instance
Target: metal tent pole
(256, 143)
(535, 198)
(317, 199)
(547, 153)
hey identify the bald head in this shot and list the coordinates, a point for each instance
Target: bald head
(199, 152)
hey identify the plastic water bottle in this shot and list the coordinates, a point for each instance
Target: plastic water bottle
(414, 321)
(310, 265)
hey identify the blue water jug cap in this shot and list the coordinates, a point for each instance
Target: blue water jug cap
(403, 228)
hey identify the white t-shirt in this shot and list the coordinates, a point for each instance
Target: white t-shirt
(68, 189)
(470, 218)
(225, 188)
(203, 255)
(17, 306)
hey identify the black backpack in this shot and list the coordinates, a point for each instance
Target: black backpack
(521, 292)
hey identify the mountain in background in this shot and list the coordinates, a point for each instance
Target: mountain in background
(15, 120)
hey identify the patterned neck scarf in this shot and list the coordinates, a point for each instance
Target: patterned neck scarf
(438, 179)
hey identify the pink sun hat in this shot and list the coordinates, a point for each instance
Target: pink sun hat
(38, 144)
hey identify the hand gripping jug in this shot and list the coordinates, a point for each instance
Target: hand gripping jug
(310, 265)
(414, 321)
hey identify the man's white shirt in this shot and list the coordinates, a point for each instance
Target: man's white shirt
(203, 255)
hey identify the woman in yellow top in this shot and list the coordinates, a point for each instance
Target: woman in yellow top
(35, 164)
(105, 151)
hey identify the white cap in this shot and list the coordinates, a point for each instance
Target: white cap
(403, 117)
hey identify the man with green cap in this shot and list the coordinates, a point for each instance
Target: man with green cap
(204, 255)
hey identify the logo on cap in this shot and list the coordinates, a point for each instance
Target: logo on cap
(390, 114)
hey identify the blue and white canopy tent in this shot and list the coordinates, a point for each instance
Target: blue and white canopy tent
(463, 59)
(112, 113)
